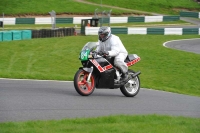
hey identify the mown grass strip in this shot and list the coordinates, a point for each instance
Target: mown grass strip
(162, 6)
(43, 7)
(117, 124)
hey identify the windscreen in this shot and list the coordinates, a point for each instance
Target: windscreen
(90, 46)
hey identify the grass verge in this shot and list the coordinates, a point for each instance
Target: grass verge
(160, 6)
(40, 7)
(111, 124)
(43, 7)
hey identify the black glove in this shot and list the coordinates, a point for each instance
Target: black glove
(100, 53)
(105, 53)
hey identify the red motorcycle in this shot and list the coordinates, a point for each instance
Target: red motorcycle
(99, 72)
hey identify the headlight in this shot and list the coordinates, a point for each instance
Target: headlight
(90, 56)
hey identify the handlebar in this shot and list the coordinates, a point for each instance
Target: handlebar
(94, 54)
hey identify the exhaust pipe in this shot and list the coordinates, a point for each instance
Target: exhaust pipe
(121, 83)
(135, 74)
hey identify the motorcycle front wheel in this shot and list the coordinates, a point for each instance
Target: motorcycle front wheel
(82, 86)
(132, 87)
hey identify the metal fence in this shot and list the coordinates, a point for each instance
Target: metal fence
(47, 33)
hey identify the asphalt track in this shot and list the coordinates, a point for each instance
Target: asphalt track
(22, 100)
(188, 45)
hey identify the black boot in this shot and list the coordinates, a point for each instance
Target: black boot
(124, 76)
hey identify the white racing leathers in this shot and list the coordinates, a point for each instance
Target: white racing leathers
(116, 49)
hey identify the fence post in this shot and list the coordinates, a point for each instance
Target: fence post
(53, 19)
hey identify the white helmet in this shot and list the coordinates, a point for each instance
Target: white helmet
(104, 33)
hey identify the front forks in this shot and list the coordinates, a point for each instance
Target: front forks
(90, 70)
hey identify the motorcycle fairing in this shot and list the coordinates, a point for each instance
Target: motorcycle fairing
(101, 64)
(106, 79)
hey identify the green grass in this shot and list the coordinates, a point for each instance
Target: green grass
(109, 124)
(43, 7)
(57, 59)
(158, 6)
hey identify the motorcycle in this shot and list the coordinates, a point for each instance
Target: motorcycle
(99, 72)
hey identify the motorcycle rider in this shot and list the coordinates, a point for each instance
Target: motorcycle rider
(111, 45)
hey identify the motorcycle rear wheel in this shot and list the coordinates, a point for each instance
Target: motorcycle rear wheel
(82, 86)
(132, 87)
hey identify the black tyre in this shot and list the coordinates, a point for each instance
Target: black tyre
(82, 86)
(132, 87)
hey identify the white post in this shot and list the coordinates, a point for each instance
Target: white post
(3, 20)
(101, 14)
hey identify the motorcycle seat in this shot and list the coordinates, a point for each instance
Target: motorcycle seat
(130, 57)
